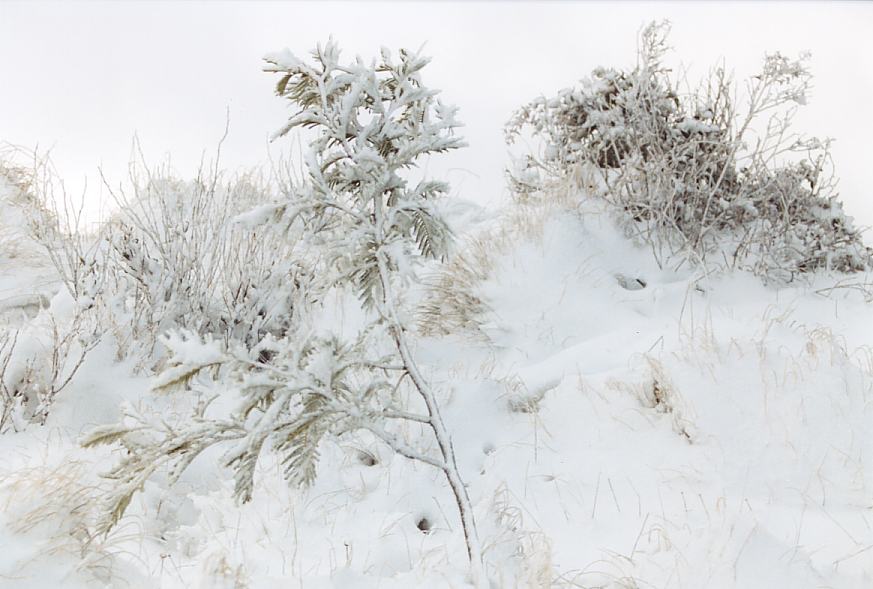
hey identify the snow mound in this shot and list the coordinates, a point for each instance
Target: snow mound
(27, 278)
(618, 424)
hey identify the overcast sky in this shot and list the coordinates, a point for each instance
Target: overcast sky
(82, 78)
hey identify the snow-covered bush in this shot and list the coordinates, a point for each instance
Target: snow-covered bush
(10, 400)
(38, 361)
(684, 167)
(362, 225)
(175, 257)
(43, 342)
(55, 221)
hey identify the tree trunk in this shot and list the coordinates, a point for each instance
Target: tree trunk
(444, 441)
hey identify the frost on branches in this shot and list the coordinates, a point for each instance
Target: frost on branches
(694, 176)
(372, 123)
(362, 225)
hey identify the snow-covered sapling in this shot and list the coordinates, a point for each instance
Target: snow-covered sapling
(362, 224)
(373, 122)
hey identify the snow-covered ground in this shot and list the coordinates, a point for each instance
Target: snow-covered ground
(27, 277)
(618, 425)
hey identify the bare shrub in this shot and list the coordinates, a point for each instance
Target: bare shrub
(56, 221)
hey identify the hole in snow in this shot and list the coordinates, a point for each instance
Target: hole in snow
(424, 525)
(488, 449)
(367, 458)
(629, 282)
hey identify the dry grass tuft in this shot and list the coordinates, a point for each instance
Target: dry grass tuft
(57, 503)
(659, 393)
(529, 552)
(453, 302)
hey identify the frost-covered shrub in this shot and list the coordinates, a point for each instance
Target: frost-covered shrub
(292, 393)
(38, 361)
(16, 167)
(362, 226)
(176, 257)
(682, 168)
(11, 400)
(43, 343)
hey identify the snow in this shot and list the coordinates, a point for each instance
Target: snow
(27, 278)
(258, 215)
(689, 125)
(618, 425)
(283, 60)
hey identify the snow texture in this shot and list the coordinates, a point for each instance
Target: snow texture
(618, 426)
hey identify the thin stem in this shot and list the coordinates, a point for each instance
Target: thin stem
(443, 439)
(402, 448)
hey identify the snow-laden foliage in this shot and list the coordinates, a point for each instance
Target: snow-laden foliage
(261, 382)
(286, 394)
(696, 176)
(175, 257)
(373, 122)
(362, 225)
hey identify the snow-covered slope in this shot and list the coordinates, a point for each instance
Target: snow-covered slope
(27, 279)
(618, 425)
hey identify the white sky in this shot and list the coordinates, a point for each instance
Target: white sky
(82, 78)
